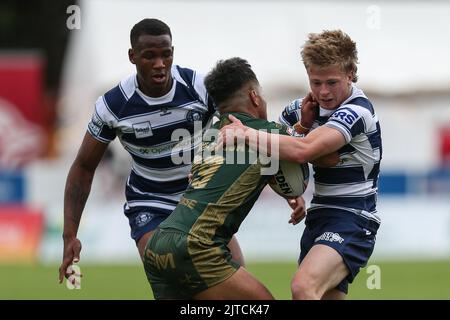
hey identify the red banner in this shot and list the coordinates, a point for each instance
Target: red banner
(20, 233)
(21, 109)
(444, 138)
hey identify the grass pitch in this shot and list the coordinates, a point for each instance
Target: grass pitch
(399, 280)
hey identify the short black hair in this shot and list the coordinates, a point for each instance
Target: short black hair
(227, 77)
(153, 27)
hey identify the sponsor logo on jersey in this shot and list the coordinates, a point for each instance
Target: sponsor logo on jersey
(96, 125)
(165, 111)
(292, 107)
(331, 237)
(194, 115)
(142, 129)
(345, 116)
(166, 149)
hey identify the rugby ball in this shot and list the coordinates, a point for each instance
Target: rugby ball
(291, 179)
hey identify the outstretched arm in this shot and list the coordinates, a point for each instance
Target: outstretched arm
(78, 186)
(318, 147)
(317, 143)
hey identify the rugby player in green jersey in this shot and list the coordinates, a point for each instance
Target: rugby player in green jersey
(187, 257)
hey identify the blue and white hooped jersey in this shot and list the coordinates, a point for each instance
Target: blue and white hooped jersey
(351, 185)
(144, 126)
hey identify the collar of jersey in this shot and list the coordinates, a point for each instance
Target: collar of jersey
(168, 97)
(237, 115)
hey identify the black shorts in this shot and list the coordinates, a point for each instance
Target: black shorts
(352, 236)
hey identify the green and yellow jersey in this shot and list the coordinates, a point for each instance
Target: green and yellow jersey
(188, 252)
(224, 187)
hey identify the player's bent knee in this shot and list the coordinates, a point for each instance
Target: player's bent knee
(305, 288)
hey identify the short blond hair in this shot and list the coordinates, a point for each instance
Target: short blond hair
(331, 47)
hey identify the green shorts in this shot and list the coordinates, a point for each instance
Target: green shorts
(179, 266)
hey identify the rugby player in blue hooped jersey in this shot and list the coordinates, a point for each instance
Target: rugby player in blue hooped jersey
(342, 220)
(142, 111)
